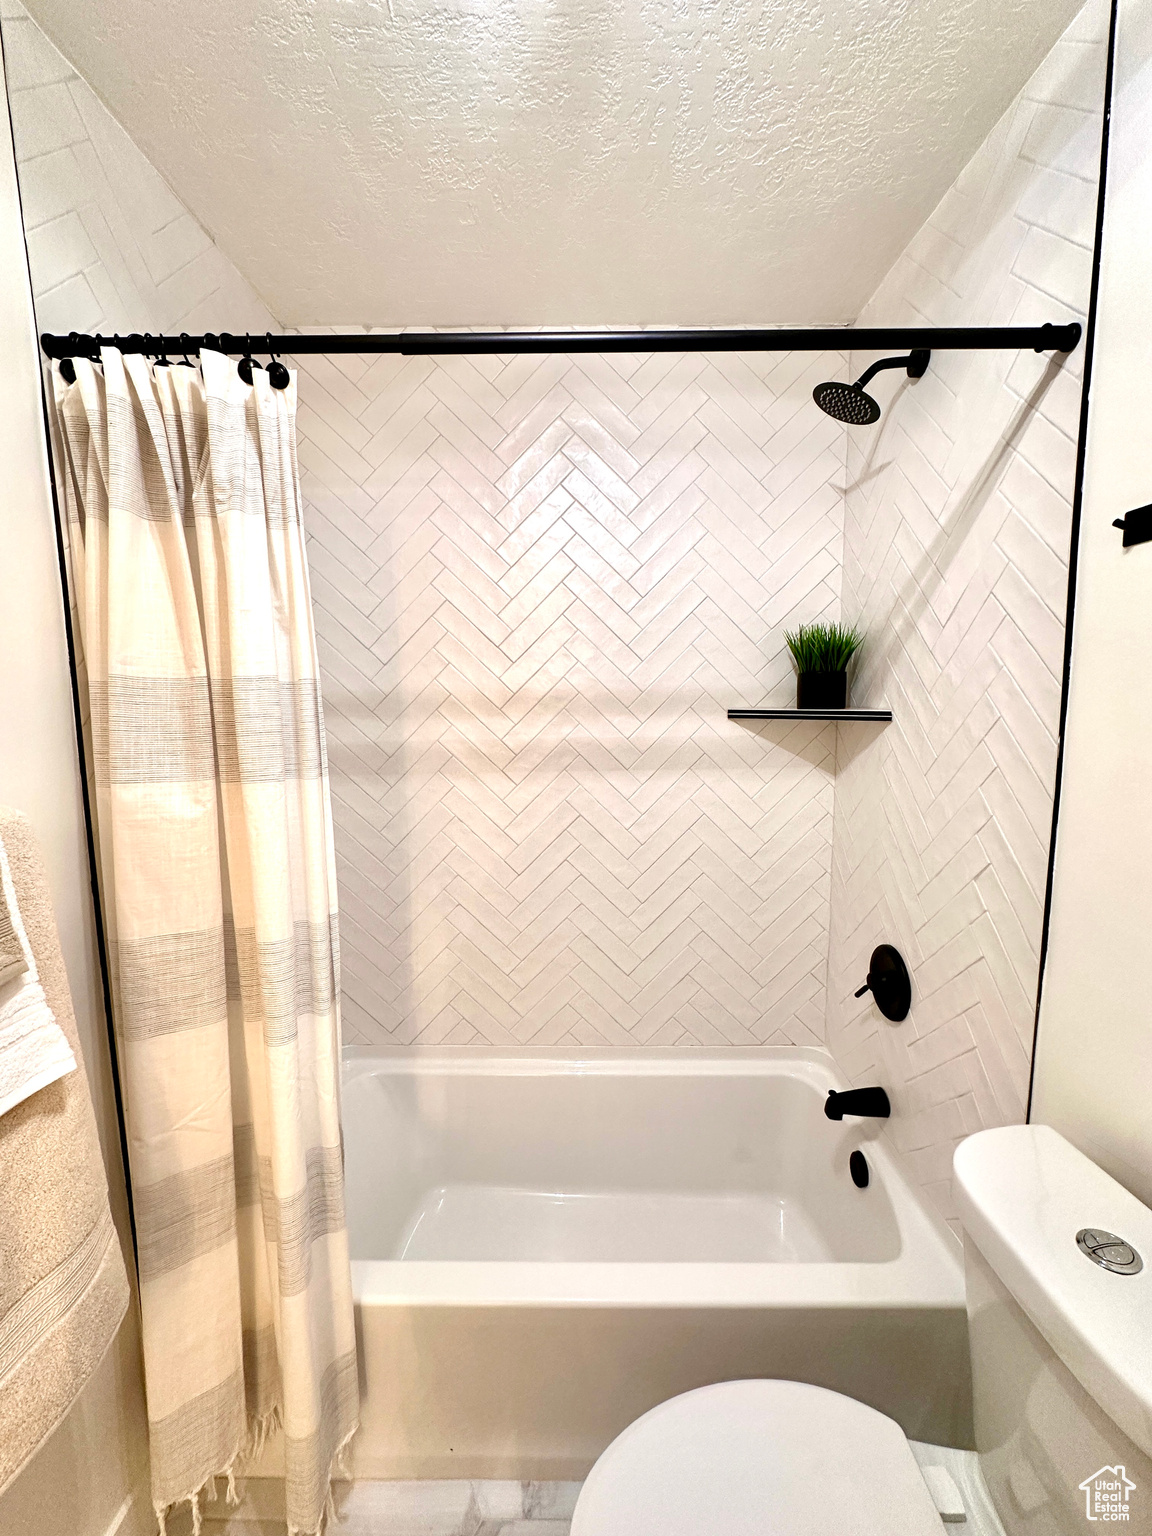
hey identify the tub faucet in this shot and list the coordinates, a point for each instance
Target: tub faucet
(857, 1101)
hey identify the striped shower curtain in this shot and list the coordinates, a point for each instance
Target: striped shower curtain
(181, 502)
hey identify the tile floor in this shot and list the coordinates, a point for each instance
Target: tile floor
(463, 1508)
(448, 1508)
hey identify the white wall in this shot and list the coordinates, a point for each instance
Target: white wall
(957, 527)
(95, 1463)
(1094, 1045)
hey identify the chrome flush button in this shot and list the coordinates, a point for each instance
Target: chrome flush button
(1109, 1251)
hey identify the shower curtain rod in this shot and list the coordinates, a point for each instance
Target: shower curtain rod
(1041, 338)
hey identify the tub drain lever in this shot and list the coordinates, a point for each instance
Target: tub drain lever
(857, 1101)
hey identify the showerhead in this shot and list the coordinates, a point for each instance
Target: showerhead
(847, 402)
(851, 402)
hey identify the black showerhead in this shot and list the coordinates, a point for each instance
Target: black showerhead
(847, 402)
(851, 403)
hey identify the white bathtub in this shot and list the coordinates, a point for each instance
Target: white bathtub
(546, 1245)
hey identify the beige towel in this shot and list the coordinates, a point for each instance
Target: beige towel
(63, 1287)
(12, 961)
(33, 1048)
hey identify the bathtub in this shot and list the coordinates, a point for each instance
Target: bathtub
(545, 1245)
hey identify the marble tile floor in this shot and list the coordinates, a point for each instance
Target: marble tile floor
(475, 1508)
(447, 1508)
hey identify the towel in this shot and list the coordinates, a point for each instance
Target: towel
(12, 951)
(63, 1285)
(33, 1049)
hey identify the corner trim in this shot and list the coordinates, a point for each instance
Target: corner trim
(1074, 542)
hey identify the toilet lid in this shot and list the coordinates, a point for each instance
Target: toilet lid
(758, 1458)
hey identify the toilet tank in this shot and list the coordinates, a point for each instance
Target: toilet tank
(1061, 1347)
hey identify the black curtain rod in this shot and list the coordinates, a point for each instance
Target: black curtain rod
(1041, 338)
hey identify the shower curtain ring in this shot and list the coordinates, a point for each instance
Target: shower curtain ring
(186, 343)
(246, 364)
(278, 375)
(67, 366)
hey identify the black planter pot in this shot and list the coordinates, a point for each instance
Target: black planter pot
(821, 690)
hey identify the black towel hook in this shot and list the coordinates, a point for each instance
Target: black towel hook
(278, 375)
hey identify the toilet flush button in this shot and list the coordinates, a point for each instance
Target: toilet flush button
(1117, 1254)
(1109, 1251)
(1091, 1238)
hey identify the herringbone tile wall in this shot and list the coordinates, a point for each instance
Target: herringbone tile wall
(958, 516)
(539, 584)
(110, 247)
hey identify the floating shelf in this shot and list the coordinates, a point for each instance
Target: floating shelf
(879, 716)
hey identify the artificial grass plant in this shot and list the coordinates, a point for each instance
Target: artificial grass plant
(823, 647)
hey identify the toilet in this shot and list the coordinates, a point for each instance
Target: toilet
(1058, 1274)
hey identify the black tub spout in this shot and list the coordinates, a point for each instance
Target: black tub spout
(857, 1101)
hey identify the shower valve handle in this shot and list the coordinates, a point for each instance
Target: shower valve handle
(889, 983)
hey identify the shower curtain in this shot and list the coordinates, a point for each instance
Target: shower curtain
(181, 503)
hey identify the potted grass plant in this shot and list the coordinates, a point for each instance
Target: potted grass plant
(822, 653)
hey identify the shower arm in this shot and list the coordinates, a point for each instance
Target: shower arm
(916, 363)
(1039, 338)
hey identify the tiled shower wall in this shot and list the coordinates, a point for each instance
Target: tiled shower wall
(540, 582)
(547, 828)
(957, 524)
(110, 248)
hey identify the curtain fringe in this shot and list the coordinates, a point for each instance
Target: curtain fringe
(337, 1466)
(255, 1439)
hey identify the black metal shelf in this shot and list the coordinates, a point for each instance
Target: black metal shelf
(878, 716)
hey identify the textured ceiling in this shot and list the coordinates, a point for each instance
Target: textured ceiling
(558, 162)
